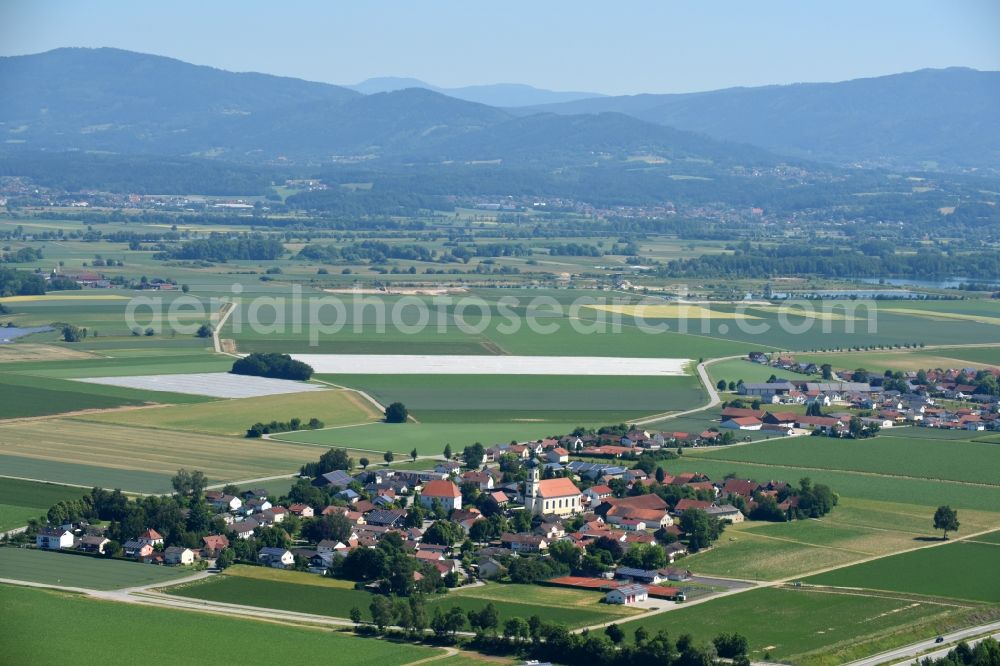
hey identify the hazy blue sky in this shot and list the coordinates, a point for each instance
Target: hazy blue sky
(611, 47)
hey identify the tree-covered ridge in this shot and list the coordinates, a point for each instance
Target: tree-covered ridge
(759, 261)
(223, 248)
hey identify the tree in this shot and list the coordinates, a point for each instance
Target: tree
(731, 646)
(641, 635)
(388, 457)
(486, 619)
(382, 612)
(355, 615)
(615, 633)
(204, 331)
(444, 533)
(827, 371)
(700, 528)
(185, 288)
(225, 558)
(515, 628)
(473, 454)
(71, 333)
(946, 519)
(189, 483)
(447, 451)
(396, 413)
(721, 385)
(364, 462)
(814, 409)
(414, 454)
(660, 475)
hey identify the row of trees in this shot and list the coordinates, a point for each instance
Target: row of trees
(259, 429)
(221, 248)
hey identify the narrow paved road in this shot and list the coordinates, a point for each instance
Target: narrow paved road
(713, 395)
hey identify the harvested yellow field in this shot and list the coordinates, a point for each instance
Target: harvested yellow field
(670, 311)
(834, 313)
(926, 314)
(233, 417)
(63, 297)
(65, 442)
(35, 352)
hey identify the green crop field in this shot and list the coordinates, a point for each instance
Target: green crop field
(69, 570)
(295, 594)
(135, 458)
(891, 453)
(122, 627)
(233, 417)
(427, 438)
(861, 485)
(21, 500)
(855, 530)
(34, 395)
(957, 570)
(496, 398)
(808, 627)
(23, 399)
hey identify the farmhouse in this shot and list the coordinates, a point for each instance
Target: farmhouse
(742, 423)
(150, 536)
(279, 558)
(54, 538)
(725, 512)
(178, 555)
(445, 492)
(214, 543)
(524, 543)
(627, 595)
(137, 549)
(92, 543)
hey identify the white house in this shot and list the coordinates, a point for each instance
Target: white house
(279, 558)
(54, 538)
(445, 492)
(626, 595)
(557, 455)
(178, 555)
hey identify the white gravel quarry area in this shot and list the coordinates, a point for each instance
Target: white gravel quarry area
(213, 384)
(383, 364)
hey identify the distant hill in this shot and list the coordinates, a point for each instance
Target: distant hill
(121, 102)
(497, 94)
(926, 119)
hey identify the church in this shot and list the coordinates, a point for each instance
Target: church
(558, 496)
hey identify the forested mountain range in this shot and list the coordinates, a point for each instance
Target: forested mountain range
(132, 103)
(943, 118)
(495, 94)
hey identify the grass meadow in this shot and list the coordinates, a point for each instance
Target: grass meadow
(124, 626)
(70, 570)
(958, 570)
(306, 593)
(21, 500)
(893, 452)
(807, 627)
(497, 398)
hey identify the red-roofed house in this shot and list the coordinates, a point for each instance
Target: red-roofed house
(445, 492)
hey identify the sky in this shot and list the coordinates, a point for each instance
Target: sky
(613, 48)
